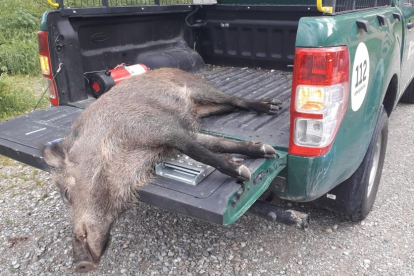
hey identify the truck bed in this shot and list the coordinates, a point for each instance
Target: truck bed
(252, 84)
(249, 83)
(218, 198)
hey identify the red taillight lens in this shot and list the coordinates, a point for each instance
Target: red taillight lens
(43, 43)
(321, 66)
(46, 67)
(319, 98)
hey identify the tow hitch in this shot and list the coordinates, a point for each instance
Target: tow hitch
(272, 212)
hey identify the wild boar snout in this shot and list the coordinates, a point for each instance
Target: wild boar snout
(88, 247)
(84, 267)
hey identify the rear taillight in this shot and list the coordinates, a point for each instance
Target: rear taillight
(319, 99)
(46, 67)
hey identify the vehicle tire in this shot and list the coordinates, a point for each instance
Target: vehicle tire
(354, 198)
(408, 96)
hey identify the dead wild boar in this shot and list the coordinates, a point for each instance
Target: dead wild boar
(116, 142)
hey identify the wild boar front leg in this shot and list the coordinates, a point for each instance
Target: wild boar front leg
(223, 162)
(224, 145)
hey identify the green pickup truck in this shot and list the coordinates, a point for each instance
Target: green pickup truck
(339, 66)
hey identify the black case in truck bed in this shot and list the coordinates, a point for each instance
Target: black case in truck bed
(209, 199)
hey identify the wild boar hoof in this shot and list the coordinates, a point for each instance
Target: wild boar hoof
(272, 101)
(269, 151)
(244, 173)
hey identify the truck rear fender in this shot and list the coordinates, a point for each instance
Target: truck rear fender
(310, 178)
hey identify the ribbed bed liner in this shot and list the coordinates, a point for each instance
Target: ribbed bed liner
(252, 84)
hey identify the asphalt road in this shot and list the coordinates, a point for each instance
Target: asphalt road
(35, 231)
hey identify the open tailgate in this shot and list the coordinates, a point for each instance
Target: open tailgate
(217, 198)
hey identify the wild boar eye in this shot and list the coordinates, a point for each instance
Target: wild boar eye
(67, 194)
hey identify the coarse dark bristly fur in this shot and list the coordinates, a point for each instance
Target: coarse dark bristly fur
(116, 142)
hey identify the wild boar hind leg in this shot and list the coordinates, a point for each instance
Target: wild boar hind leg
(225, 163)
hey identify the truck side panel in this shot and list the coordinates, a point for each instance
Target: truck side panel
(310, 178)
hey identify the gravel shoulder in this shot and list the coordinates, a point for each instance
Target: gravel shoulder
(35, 231)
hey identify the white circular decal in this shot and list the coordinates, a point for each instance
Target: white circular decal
(360, 76)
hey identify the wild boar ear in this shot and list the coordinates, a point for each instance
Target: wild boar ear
(55, 155)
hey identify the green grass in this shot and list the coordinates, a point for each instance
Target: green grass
(27, 177)
(19, 94)
(4, 161)
(20, 84)
(19, 23)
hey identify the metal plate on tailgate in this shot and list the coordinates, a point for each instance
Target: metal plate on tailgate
(183, 169)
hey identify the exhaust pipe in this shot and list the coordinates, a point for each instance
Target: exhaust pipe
(272, 212)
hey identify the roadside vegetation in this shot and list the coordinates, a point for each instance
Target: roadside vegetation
(20, 81)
